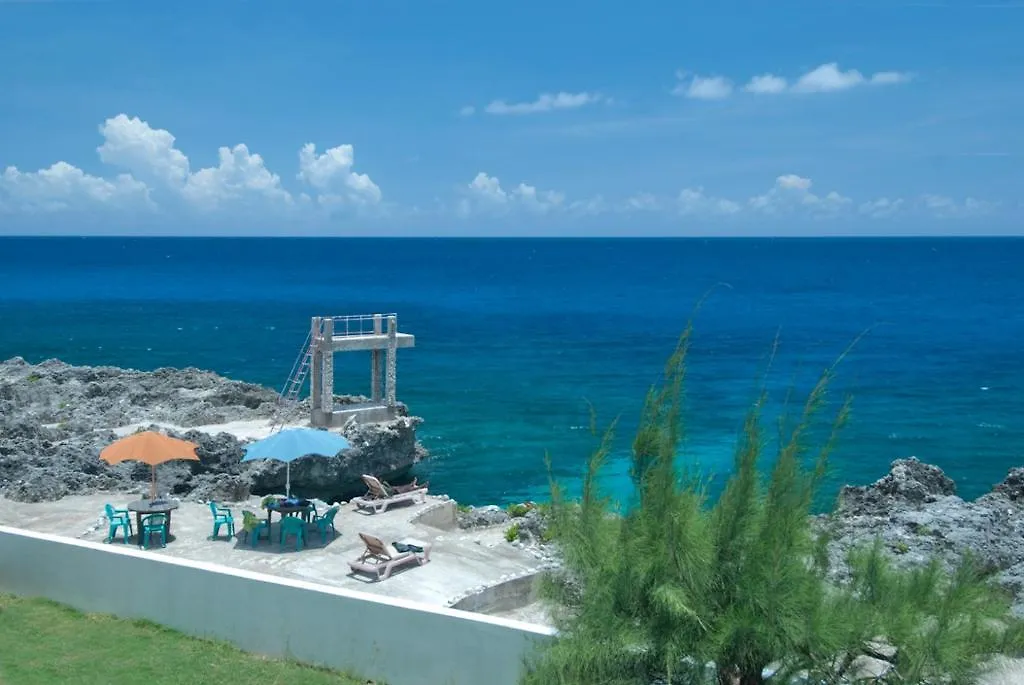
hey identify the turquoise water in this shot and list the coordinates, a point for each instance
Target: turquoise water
(515, 337)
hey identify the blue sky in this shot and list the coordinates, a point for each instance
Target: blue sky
(527, 118)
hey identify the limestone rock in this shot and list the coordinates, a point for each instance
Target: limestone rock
(917, 516)
(909, 481)
(482, 517)
(55, 418)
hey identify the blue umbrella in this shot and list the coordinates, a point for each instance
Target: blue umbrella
(292, 443)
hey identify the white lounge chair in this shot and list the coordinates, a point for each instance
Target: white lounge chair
(380, 560)
(380, 496)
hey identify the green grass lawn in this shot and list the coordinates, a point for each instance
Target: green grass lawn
(47, 643)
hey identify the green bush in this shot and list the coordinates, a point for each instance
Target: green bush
(518, 510)
(672, 581)
(512, 533)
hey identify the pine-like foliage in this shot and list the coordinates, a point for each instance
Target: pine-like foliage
(673, 581)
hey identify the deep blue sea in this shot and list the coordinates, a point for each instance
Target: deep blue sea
(515, 339)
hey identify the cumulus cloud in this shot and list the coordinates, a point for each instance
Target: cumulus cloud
(829, 78)
(148, 153)
(790, 195)
(766, 84)
(944, 207)
(703, 87)
(545, 102)
(695, 201)
(64, 187)
(485, 194)
(238, 176)
(331, 174)
(826, 78)
(792, 192)
(642, 202)
(157, 171)
(882, 208)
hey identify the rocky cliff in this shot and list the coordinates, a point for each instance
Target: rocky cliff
(55, 418)
(915, 511)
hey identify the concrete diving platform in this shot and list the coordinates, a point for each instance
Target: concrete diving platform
(370, 341)
(374, 333)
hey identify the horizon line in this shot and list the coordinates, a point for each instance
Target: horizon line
(179, 236)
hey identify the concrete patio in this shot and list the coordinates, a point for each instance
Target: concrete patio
(461, 562)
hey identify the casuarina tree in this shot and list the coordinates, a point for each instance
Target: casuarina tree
(673, 587)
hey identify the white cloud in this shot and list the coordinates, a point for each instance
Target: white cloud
(643, 202)
(829, 78)
(331, 174)
(545, 102)
(695, 201)
(791, 193)
(766, 84)
(823, 79)
(793, 182)
(485, 194)
(64, 187)
(943, 207)
(238, 176)
(159, 171)
(885, 78)
(882, 208)
(703, 87)
(146, 152)
(590, 206)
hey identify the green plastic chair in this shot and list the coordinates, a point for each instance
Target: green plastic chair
(252, 524)
(326, 523)
(293, 525)
(118, 519)
(221, 517)
(154, 523)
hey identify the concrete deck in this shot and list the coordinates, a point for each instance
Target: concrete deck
(460, 562)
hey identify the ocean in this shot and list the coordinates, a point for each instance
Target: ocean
(517, 339)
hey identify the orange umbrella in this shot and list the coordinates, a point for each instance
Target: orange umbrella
(151, 448)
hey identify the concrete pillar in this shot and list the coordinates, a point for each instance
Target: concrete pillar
(376, 389)
(327, 403)
(316, 370)
(391, 373)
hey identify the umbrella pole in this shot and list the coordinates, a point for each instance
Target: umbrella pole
(152, 482)
(288, 479)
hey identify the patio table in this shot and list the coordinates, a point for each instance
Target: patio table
(287, 510)
(144, 507)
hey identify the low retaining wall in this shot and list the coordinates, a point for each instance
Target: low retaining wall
(508, 595)
(442, 515)
(397, 642)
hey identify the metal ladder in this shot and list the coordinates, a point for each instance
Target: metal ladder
(289, 395)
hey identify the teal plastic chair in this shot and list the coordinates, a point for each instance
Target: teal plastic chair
(326, 523)
(253, 525)
(154, 523)
(293, 525)
(221, 517)
(118, 519)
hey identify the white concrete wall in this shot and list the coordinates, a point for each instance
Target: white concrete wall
(394, 641)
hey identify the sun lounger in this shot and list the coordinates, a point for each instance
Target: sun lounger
(379, 559)
(380, 496)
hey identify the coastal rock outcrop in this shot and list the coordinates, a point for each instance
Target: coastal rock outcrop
(915, 512)
(55, 418)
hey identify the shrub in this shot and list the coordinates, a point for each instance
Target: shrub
(518, 510)
(512, 533)
(674, 581)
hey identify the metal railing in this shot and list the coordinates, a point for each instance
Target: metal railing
(360, 324)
